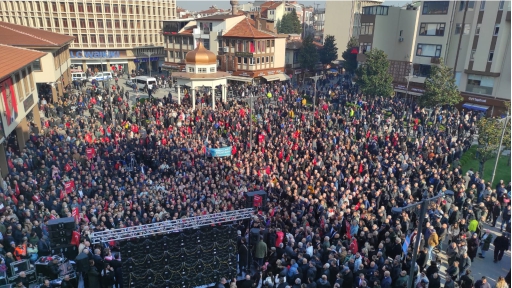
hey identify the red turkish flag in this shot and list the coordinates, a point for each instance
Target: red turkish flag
(76, 214)
(69, 186)
(256, 201)
(75, 238)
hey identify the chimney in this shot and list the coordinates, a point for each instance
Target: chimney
(234, 7)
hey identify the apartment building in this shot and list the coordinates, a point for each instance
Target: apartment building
(19, 97)
(473, 37)
(342, 20)
(106, 31)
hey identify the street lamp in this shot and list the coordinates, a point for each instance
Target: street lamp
(149, 53)
(423, 210)
(315, 78)
(251, 98)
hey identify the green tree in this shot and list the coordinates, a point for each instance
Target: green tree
(373, 77)
(440, 88)
(308, 54)
(489, 136)
(289, 24)
(350, 63)
(330, 52)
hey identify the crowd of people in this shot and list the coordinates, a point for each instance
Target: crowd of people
(332, 178)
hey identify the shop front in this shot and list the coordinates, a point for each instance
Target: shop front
(93, 61)
(147, 64)
(490, 106)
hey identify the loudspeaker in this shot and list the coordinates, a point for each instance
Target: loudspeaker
(250, 198)
(254, 236)
(67, 223)
(69, 251)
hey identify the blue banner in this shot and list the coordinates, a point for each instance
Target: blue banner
(405, 246)
(220, 152)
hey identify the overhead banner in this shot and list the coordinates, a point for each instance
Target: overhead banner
(9, 101)
(220, 152)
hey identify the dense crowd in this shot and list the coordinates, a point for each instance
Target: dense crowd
(332, 177)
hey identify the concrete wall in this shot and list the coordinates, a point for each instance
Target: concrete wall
(502, 84)
(337, 23)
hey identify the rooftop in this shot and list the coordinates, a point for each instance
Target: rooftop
(23, 36)
(247, 29)
(218, 17)
(15, 58)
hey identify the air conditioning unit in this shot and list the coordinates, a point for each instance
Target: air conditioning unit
(225, 49)
(401, 39)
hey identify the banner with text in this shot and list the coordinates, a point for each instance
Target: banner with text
(220, 152)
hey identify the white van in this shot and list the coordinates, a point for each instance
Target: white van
(142, 81)
(78, 76)
(101, 76)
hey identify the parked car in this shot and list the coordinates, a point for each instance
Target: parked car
(101, 76)
(129, 83)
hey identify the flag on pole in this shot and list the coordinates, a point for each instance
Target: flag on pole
(76, 214)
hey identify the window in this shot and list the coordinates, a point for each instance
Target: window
(19, 85)
(110, 38)
(131, 9)
(91, 23)
(93, 39)
(191, 70)
(201, 70)
(116, 8)
(125, 24)
(117, 24)
(84, 39)
(266, 59)
(491, 55)
(472, 56)
(428, 50)
(132, 26)
(102, 39)
(471, 5)
(71, 7)
(126, 39)
(65, 23)
(257, 60)
(56, 21)
(262, 60)
(477, 30)
(212, 69)
(421, 70)
(82, 23)
(206, 43)
(48, 22)
(134, 40)
(25, 81)
(46, 8)
(100, 23)
(272, 43)
(98, 8)
(500, 6)
(54, 6)
(73, 23)
(80, 7)
(268, 43)
(482, 5)
(435, 7)
(30, 78)
(245, 60)
(496, 29)
(251, 61)
(123, 9)
(271, 59)
(375, 10)
(480, 84)
(171, 54)
(37, 65)
(62, 7)
(89, 8)
(432, 29)
(365, 47)
(458, 28)
(107, 8)
(366, 29)
(109, 23)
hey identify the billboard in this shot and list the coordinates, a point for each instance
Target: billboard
(10, 104)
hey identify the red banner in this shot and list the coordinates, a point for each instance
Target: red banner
(76, 214)
(256, 201)
(9, 100)
(90, 153)
(70, 185)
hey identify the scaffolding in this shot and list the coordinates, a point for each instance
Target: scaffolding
(171, 226)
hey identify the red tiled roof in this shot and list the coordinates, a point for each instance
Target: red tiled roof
(189, 30)
(23, 36)
(247, 29)
(210, 11)
(15, 58)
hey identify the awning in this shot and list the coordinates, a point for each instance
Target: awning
(277, 77)
(475, 107)
(239, 78)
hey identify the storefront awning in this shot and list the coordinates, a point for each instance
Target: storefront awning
(475, 107)
(239, 78)
(277, 77)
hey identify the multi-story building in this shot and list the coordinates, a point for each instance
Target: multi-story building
(106, 31)
(393, 30)
(51, 72)
(319, 23)
(19, 110)
(342, 20)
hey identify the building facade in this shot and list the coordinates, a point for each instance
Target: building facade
(51, 72)
(19, 98)
(342, 20)
(93, 23)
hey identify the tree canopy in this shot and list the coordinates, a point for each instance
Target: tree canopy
(308, 54)
(373, 77)
(440, 87)
(490, 131)
(330, 52)
(350, 64)
(289, 24)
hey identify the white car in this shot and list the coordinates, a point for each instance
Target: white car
(102, 76)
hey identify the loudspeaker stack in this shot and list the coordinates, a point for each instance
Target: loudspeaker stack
(60, 232)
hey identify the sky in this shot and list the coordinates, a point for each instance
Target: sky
(224, 4)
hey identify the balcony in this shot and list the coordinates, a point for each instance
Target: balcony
(435, 60)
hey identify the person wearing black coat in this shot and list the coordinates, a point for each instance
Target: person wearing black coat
(432, 269)
(108, 276)
(434, 281)
(243, 254)
(422, 259)
(466, 281)
(348, 279)
(501, 244)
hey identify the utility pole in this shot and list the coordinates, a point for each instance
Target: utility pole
(499, 147)
(315, 78)
(149, 60)
(466, 3)
(423, 210)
